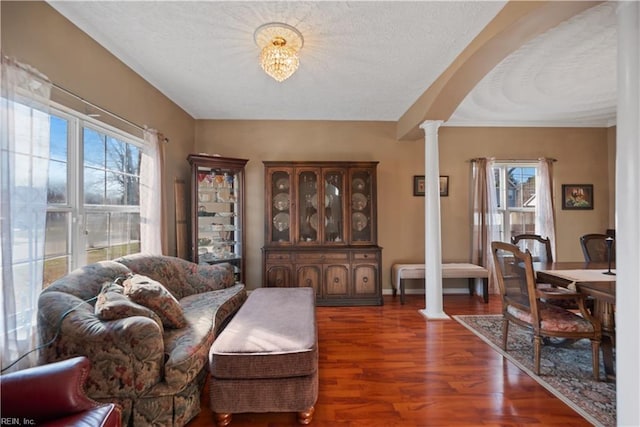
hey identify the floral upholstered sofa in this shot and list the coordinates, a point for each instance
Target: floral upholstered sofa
(146, 323)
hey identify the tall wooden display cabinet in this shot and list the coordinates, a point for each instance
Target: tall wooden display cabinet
(321, 230)
(217, 211)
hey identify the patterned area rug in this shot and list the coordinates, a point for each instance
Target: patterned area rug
(565, 367)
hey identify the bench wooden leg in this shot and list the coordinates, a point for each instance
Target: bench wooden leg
(223, 419)
(401, 291)
(485, 288)
(305, 417)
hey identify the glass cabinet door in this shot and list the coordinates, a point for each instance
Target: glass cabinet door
(333, 206)
(280, 208)
(308, 198)
(362, 226)
(219, 231)
(217, 225)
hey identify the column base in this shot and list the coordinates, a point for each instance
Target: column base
(434, 316)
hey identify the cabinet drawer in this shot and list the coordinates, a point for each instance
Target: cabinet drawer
(360, 256)
(322, 257)
(278, 256)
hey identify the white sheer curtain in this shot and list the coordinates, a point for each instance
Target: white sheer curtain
(152, 234)
(24, 164)
(484, 210)
(545, 212)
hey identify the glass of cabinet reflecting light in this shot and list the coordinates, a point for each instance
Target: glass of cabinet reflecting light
(333, 211)
(218, 214)
(280, 206)
(308, 199)
(361, 206)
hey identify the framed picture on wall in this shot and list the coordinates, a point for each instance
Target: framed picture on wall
(418, 185)
(577, 196)
(444, 186)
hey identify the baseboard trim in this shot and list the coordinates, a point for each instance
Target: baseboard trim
(445, 291)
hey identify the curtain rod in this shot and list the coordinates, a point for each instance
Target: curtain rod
(512, 160)
(97, 107)
(112, 114)
(73, 95)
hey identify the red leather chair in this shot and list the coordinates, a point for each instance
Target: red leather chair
(53, 395)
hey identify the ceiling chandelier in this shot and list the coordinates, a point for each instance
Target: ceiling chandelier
(280, 44)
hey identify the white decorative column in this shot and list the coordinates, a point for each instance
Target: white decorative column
(432, 236)
(627, 208)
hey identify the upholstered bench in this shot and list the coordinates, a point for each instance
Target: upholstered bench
(266, 359)
(449, 271)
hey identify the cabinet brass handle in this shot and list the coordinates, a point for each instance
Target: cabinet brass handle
(366, 255)
(336, 280)
(365, 279)
(309, 282)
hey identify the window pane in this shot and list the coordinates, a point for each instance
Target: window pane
(94, 186)
(521, 223)
(133, 159)
(94, 149)
(116, 154)
(521, 186)
(97, 230)
(59, 135)
(498, 183)
(125, 234)
(133, 191)
(57, 187)
(115, 188)
(57, 233)
(55, 268)
(111, 235)
(57, 249)
(22, 118)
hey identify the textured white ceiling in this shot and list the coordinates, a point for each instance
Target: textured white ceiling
(360, 61)
(565, 77)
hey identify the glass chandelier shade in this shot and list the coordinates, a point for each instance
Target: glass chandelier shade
(280, 44)
(278, 60)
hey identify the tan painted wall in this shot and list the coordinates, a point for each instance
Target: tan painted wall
(581, 155)
(35, 34)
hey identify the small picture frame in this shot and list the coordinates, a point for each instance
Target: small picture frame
(577, 196)
(418, 185)
(444, 186)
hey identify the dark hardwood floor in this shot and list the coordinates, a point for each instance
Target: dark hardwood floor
(389, 366)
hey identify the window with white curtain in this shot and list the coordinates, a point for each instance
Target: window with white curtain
(93, 209)
(516, 197)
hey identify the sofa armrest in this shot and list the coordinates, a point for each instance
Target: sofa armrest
(127, 355)
(57, 388)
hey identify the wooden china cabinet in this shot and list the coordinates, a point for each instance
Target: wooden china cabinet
(321, 230)
(217, 211)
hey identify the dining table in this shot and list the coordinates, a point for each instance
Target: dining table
(596, 280)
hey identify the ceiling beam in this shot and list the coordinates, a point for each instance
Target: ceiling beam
(517, 23)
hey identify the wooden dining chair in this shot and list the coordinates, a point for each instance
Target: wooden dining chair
(524, 304)
(540, 247)
(595, 249)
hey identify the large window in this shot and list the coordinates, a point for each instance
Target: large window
(93, 195)
(516, 196)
